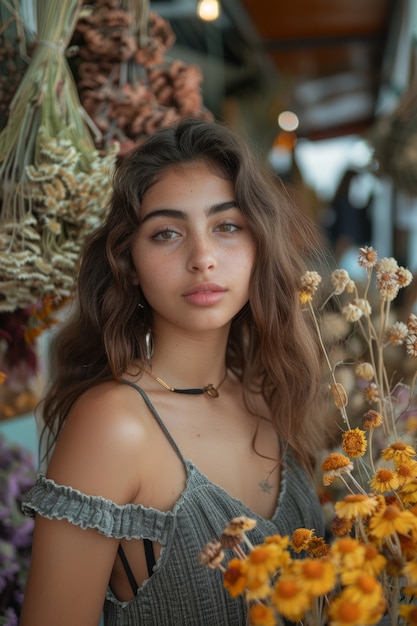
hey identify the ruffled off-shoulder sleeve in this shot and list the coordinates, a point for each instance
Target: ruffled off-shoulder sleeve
(131, 521)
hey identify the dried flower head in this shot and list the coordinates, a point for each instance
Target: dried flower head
(354, 442)
(365, 371)
(404, 277)
(334, 465)
(339, 279)
(412, 324)
(212, 555)
(352, 312)
(356, 504)
(341, 526)
(371, 393)
(396, 334)
(239, 525)
(300, 539)
(398, 451)
(367, 257)
(371, 419)
(411, 346)
(383, 480)
(309, 285)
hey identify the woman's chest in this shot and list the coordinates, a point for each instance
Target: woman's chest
(244, 462)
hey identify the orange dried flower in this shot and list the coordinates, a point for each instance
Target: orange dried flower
(239, 525)
(300, 539)
(354, 442)
(371, 419)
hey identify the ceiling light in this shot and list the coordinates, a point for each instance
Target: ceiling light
(287, 120)
(208, 10)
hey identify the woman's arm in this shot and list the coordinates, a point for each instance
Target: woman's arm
(69, 574)
(98, 453)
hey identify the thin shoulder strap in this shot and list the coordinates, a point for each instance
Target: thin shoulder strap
(155, 414)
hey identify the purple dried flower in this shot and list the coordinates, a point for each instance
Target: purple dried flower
(17, 475)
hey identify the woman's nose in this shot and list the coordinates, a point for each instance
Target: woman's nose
(201, 254)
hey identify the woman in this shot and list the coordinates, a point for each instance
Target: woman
(182, 391)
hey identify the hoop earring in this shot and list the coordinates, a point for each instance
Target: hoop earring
(149, 346)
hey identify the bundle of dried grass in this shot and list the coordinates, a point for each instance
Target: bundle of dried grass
(54, 183)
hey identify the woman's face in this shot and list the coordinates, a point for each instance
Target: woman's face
(193, 251)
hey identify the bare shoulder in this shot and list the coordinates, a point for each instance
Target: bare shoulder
(100, 446)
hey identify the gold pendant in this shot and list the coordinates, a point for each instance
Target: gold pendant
(211, 391)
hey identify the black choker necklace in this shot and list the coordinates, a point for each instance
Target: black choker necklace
(209, 389)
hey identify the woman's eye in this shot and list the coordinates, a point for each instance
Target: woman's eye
(165, 235)
(227, 228)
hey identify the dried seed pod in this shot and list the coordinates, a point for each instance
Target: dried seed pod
(340, 396)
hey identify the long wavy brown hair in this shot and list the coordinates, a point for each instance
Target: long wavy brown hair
(272, 347)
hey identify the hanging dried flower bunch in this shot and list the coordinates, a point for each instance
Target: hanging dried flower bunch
(54, 183)
(126, 83)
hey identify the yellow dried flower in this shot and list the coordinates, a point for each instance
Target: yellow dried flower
(300, 539)
(409, 613)
(290, 598)
(317, 576)
(392, 520)
(374, 561)
(364, 587)
(261, 615)
(355, 504)
(349, 552)
(335, 464)
(263, 560)
(354, 443)
(341, 526)
(340, 396)
(365, 371)
(235, 577)
(407, 470)
(367, 257)
(371, 419)
(398, 451)
(408, 492)
(317, 547)
(384, 480)
(345, 612)
(335, 460)
(309, 285)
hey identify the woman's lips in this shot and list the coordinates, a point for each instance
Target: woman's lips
(204, 294)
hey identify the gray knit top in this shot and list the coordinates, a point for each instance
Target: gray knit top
(181, 592)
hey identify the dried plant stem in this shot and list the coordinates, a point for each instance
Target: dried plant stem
(329, 365)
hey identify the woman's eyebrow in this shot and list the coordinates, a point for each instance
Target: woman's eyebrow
(182, 215)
